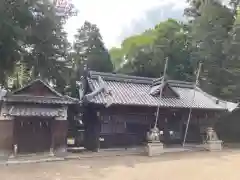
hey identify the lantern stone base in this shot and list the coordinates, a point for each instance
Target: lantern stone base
(154, 148)
(215, 145)
(60, 152)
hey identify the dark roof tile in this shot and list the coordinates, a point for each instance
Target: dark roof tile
(132, 90)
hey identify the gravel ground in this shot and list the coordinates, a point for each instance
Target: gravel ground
(172, 166)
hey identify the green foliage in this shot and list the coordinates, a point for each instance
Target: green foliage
(32, 42)
(210, 40)
(90, 48)
(146, 38)
(49, 42)
(173, 43)
(233, 61)
(20, 76)
(145, 54)
(117, 57)
(129, 46)
(15, 18)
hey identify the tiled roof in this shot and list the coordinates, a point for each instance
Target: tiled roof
(40, 99)
(56, 98)
(36, 81)
(132, 90)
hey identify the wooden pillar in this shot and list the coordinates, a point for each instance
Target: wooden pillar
(59, 130)
(87, 127)
(97, 128)
(166, 131)
(86, 136)
(94, 135)
(59, 134)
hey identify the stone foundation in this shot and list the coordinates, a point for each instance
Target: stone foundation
(154, 148)
(215, 145)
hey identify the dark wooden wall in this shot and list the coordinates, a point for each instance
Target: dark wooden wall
(92, 129)
(32, 134)
(6, 135)
(39, 134)
(127, 125)
(57, 137)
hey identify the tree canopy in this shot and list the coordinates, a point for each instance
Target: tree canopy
(145, 54)
(33, 44)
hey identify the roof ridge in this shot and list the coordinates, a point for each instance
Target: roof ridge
(167, 79)
(120, 77)
(30, 96)
(45, 97)
(138, 79)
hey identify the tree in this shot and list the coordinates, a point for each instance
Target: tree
(48, 45)
(147, 57)
(129, 46)
(32, 41)
(172, 42)
(90, 49)
(233, 61)
(141, 63)
(209, 36)
(117, 57)
(14, 24)
(195, 7)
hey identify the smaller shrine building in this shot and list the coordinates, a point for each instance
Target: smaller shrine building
(34, 119)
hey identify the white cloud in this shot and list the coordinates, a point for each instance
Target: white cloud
(111, 16)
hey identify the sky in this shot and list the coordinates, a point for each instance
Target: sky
(118, 19)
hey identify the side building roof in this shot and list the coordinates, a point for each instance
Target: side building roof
(26, 95)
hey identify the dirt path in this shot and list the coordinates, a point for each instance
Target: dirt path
(182, 166)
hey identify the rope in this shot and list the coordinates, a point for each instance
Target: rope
(190, 110)
(164, 73)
